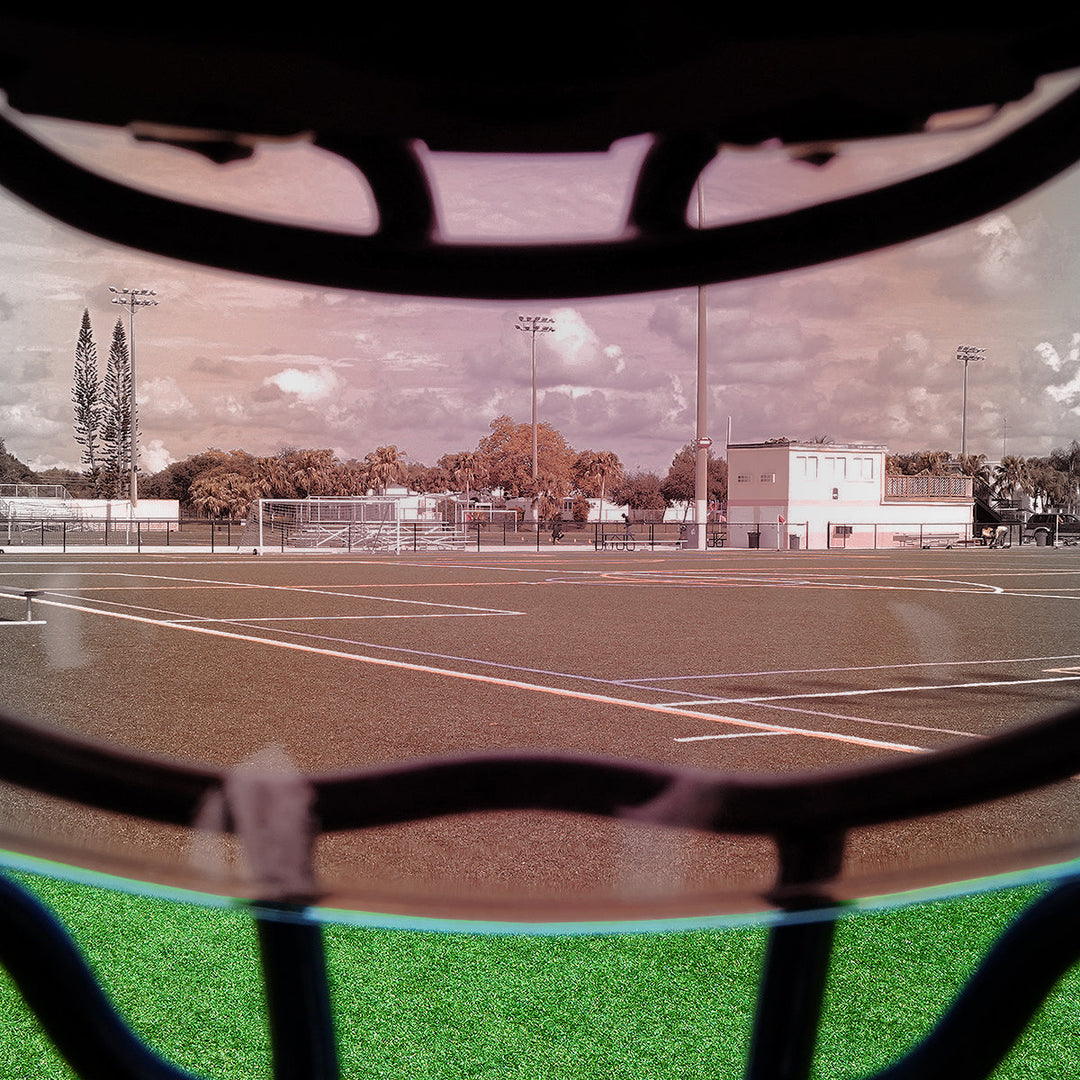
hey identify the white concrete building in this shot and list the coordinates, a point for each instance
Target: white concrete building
(837, 495)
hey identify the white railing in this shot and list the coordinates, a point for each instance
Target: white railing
(33, 491)
(928, 487)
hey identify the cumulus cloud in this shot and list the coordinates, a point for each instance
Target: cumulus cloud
(164, 396)
(579, 353)
(154, 456)
(307, 386)
(1067, 392)
(1001, 258)
(1005, 257)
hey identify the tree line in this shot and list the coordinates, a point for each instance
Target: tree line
(220, 483)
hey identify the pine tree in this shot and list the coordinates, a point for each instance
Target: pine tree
(86, 398)
(116, 416)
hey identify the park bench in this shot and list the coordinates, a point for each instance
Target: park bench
(618, 541)
(623, 541)
(927, 540)
(26, 594)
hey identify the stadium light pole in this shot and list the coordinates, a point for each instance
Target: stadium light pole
(132, 299)
(967, 354)
(702, 442)
(533, 325)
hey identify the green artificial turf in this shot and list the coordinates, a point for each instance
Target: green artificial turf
(426, 1005)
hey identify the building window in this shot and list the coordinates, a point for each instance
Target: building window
(836, 467)
(768, 478)
(806, 466)
(743, 478)
(862, 468)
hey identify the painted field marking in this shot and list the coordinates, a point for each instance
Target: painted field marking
(307, 590)
(875, 690)
(578, 695)
(183, 617)
(696, 579)
(863, 667)
(719, 577)
(868, 720)
(1042, 596)
(213, 583)
(257, 620)
(216, 585)
(727, 735)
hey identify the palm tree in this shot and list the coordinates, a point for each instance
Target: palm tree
(384, 464)
(1049, 486)
(219, 493)
(930, 462)
(976, 466)
(1067, 461)
(353, 478)
(596, 467)
(465, 468)
(272, 479)
(311, 471)
(1012, 476)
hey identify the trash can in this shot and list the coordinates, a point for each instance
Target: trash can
(793, 543)
(754, 539)
(1040, 538)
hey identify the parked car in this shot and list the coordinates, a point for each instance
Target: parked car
(1047, 529)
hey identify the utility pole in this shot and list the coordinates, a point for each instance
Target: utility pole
(132, 299)
(535, 324)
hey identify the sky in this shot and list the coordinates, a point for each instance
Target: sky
(860, 350)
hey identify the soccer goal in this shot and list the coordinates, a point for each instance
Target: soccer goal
(360, 523)
(471, 515)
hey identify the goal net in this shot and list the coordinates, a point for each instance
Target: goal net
(371, 522)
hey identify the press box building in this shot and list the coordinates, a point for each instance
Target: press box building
(784, 494)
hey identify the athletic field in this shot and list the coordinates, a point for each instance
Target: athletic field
(745, 662)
